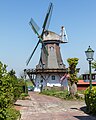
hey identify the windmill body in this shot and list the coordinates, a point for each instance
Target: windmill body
(53, 60)
(50, 68)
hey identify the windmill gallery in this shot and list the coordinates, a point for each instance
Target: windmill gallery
(50, 69)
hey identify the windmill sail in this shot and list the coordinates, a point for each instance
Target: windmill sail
(48, 17)
(34, 26)
(27, 62)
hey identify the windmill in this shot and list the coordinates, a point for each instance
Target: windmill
(50, 68)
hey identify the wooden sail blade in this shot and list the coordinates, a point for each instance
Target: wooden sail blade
(32, 23)
(43, 45)
(34, 26)
(48, 17)
(27, 62)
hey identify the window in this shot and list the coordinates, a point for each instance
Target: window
(93, 77)
(51, 48)
(84, 77)
(53, 77)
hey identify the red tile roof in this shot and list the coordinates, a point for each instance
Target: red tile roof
(80, 82)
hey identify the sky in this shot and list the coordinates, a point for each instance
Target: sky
(17, 40)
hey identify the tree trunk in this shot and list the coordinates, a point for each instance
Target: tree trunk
(73, 89)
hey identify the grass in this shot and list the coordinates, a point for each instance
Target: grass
(56, 93)
(81, 91)
(60, 94)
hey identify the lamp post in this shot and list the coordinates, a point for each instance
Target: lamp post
(25, 80)
(89, 54)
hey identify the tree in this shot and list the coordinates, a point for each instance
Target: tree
(16, 84)
(73, 75)
(94, 64)
(8, 80)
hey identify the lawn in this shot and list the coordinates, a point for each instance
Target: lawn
(61, 94)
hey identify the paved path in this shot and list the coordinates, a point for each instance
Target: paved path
(42, 107)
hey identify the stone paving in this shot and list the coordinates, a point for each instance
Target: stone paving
(42, 107)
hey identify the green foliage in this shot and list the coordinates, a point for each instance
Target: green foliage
(81, 91)
(9, 114)
(94, 64)
(12, 114)
(61, 94)
(90, 99)
(6, 88)
(23, 96)
(72, 69)
(8, 91)
(23, 85)
(29, 83)
(73, 61)
(15, 85)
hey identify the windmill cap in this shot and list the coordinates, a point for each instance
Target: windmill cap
(51, 36)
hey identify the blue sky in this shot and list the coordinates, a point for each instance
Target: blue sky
(17, 40)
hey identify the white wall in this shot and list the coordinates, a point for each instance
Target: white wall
(48, 81)
(55, 82)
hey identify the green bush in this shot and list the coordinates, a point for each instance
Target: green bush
(12, 114)
(90, 99)
(9, 113)
(8, 89)
(23, 86)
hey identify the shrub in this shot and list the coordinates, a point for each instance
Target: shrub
(22, 86)
(8, 89)
(12, 114)
(90, 99)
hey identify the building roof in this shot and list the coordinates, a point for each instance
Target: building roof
(82, 82)
(52, 36)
